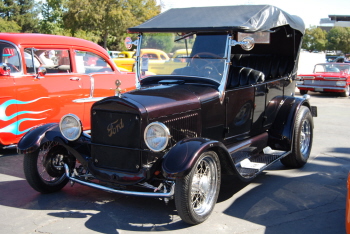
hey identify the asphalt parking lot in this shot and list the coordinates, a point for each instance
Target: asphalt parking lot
(280, 200)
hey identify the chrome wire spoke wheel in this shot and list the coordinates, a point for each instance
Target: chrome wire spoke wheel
(305, 136)
(204, 185)
(44, 168)
(302, 139)
(48, 161)
(197, 192)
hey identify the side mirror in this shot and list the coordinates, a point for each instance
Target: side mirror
(5, 70)
(41, 72)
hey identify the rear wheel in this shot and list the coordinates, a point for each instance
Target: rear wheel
(302, 139)
(346, 92)
(197, 193)
(44, 168)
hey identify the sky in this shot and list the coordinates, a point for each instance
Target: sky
(311, 11)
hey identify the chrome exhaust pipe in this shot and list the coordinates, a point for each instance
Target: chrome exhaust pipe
(132, 193)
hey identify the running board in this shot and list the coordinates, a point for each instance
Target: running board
(249, 166)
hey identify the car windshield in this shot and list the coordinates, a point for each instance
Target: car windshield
(195, 55)
(334, 68)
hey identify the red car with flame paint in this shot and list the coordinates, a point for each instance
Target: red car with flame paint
(42, 77)
(327, 77)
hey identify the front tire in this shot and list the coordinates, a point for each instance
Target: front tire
(197, 193)
(302, 92)
(302, 140)
(44, 168)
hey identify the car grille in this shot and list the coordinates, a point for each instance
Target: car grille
(113, 135)
(320, 82)
(183, 126)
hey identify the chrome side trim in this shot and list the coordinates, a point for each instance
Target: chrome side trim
(321, 87)
(14, 146)
(89, 99)
(107, 189)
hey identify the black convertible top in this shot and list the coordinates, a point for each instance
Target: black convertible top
(242, 18)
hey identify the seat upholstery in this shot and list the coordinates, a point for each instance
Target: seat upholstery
(273, 66)
(242, 76)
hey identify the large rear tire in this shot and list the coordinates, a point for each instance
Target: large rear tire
(44, 168)
(302, 139)
(197, 193)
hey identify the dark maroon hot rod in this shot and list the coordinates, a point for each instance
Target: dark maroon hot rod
(226, 106)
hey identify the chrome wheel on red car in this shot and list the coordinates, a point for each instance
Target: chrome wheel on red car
(197, 193)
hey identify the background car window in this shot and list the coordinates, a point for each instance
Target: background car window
(55, 61)
(319, 68)
(10, 56)
(88, 62)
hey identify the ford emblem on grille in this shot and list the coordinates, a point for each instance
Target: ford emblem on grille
(114, 127)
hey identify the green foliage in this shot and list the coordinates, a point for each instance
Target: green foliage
(52, 13)
(9, 26)
(156, 41)
(108, 18)
(315, 39)
(339, 39)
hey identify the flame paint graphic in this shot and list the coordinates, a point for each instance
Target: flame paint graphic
(14, 127)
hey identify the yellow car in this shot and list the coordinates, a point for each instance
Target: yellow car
(126, 59)
(178, 60)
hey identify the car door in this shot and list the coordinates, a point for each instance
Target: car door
(46, 99)
(239, 111)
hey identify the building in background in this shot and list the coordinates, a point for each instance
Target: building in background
(334, 21)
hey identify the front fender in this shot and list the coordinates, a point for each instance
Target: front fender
(32, 140)
(281, 131)
(179, 161)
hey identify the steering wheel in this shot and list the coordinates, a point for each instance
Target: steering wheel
(13, 66)
(208, 68)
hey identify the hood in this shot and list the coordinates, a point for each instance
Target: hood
(165, 100)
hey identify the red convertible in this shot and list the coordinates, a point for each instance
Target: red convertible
(327, 77)
(42, 77)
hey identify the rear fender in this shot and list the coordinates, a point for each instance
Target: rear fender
(281, 132)
(179, 161)
(32, 140)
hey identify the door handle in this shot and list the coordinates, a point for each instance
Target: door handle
(75, 78)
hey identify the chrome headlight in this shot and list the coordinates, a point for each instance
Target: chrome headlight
(156, 136)
(341, 83)
(70, 127)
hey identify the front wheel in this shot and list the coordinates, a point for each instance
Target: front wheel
(302, 92)
(302, 139)
(44, 168)
(197, 193)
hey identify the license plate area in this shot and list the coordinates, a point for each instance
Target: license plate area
(319, 89)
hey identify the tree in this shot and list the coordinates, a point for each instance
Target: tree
(9, 26)
(314, 39)
(52, 13)
(23, 12)
(339, 39)
(108, 19)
